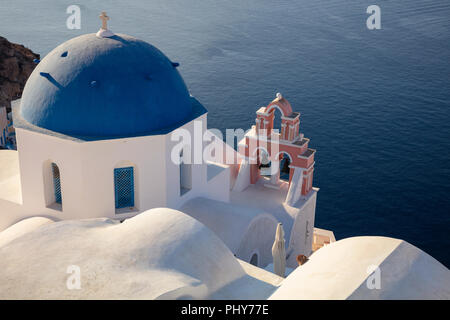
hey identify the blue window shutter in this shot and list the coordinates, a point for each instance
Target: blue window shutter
(124, 187)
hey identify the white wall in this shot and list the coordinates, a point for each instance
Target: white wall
(10, 213)
(259, 239)
(37, 149)
(172, 170)
(145, 154)
(218, 187)
(87, 174)
(302, 231)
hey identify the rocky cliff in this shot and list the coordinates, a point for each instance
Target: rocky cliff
(16, 65)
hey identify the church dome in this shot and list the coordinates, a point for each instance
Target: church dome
(102, 87)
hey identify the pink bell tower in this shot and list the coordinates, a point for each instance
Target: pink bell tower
(289, 144)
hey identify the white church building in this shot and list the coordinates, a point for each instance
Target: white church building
(99, 162)
(95, 136)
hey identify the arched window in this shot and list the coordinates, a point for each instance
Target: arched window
(277, 117)
(254, 259)
(56, 183)
(124, 187)
(185, 175)
(284, 167)
(52, 185)
(265, 165)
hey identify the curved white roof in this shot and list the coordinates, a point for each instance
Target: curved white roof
(229, 222)
(21, 228)
(342, 269)
(161, 253)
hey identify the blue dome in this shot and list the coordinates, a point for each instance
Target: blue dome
(106, 87)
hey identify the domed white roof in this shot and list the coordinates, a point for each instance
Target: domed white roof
(159, 254)
(341, 270)
(21, 228)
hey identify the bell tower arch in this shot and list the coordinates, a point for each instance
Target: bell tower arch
(265, 145)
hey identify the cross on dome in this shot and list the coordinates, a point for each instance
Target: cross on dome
(104, 32)
(104, 19)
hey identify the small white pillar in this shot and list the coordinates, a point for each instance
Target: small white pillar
(279, 252)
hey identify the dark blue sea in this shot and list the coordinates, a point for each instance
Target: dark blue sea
(376, 104)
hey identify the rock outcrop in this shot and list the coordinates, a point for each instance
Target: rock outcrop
(16, 65)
